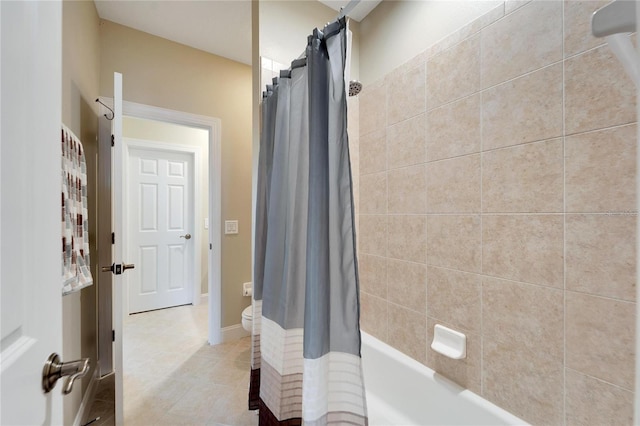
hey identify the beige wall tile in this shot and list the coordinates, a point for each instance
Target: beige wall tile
(453, 186)
(454, 297)
(373, 152)
(408, 190)
(373, 275)
(523, 382)
(601, 255)
(406, 142)
(465, 372)
(600, 340)
(485, 20)
(443, 44)
(512, 5)
(407, 238)
(593, 402)
(373, 108)
(525, 315)
(353, 116)
(454, 242)
(406, 94)
(373, 234)
(373, 193)
(412, 63)
(577, 25)
(354, 157)
(407, 332)
(524, 248)
(528, 39)
(524, 178)
(523, 110)
(601, 170)
(374, 316)
(454, 129)
(407, 284)
(454, 73)
(598, 92)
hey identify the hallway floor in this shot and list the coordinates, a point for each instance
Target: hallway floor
(173, 377)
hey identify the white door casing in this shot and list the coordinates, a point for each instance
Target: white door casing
(30, 253)
(213, 125)
(160, 185)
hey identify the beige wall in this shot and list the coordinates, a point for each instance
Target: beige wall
(157, 131)
(396, 31)
(497, 198)
(165, 74)
(80, 87)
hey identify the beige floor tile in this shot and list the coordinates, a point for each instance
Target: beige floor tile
(173, 377)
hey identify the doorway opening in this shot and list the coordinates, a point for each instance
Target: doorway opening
(167, 220)
(166, 125)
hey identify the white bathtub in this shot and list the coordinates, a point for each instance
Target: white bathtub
(401, 391)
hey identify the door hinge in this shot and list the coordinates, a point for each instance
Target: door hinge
(113, 140)
(113, 238)
(210, 246)
(113, 335)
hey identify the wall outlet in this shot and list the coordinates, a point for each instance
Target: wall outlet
(247, 289)
(230, 226)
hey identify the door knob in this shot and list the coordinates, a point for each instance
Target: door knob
(54, 370)
(118, 268)
(186, 237)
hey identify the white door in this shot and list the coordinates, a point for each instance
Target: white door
(30, 254)
(117, 217)
(160, 223)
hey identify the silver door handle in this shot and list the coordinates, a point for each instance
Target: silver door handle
(118, 268)
(54, 370)
(186, 237)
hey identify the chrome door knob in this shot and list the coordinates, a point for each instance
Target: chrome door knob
(186, 237)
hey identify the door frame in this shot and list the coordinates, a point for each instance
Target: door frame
(214, 126)
(195, 152)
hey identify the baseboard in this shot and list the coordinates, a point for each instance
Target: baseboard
(233, 332)
(204, 298)
(87, 399)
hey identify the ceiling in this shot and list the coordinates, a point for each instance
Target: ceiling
(221, 27)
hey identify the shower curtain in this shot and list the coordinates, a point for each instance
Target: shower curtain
(306, 364)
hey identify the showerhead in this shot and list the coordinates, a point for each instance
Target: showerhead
(354, 87)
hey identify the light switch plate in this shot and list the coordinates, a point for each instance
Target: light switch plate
(206, 223)
(230, 226)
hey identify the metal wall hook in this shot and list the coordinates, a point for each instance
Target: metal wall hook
(105, 115)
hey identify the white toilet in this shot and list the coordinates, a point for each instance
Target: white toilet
(247, 318)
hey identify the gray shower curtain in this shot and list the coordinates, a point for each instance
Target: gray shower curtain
(306, 364)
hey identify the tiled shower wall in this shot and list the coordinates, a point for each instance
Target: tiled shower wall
(497, 197)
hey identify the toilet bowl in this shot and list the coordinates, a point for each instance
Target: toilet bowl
(247, 318)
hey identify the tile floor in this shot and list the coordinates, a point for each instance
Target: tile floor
(173, 377)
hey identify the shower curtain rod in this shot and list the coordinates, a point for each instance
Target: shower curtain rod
(344, 11)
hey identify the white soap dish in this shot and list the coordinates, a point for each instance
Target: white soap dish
(449, 343)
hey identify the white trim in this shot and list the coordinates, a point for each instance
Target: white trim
(233, 332)
(213, 125)
(87, 399)
(204, 298)
(196, 156)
